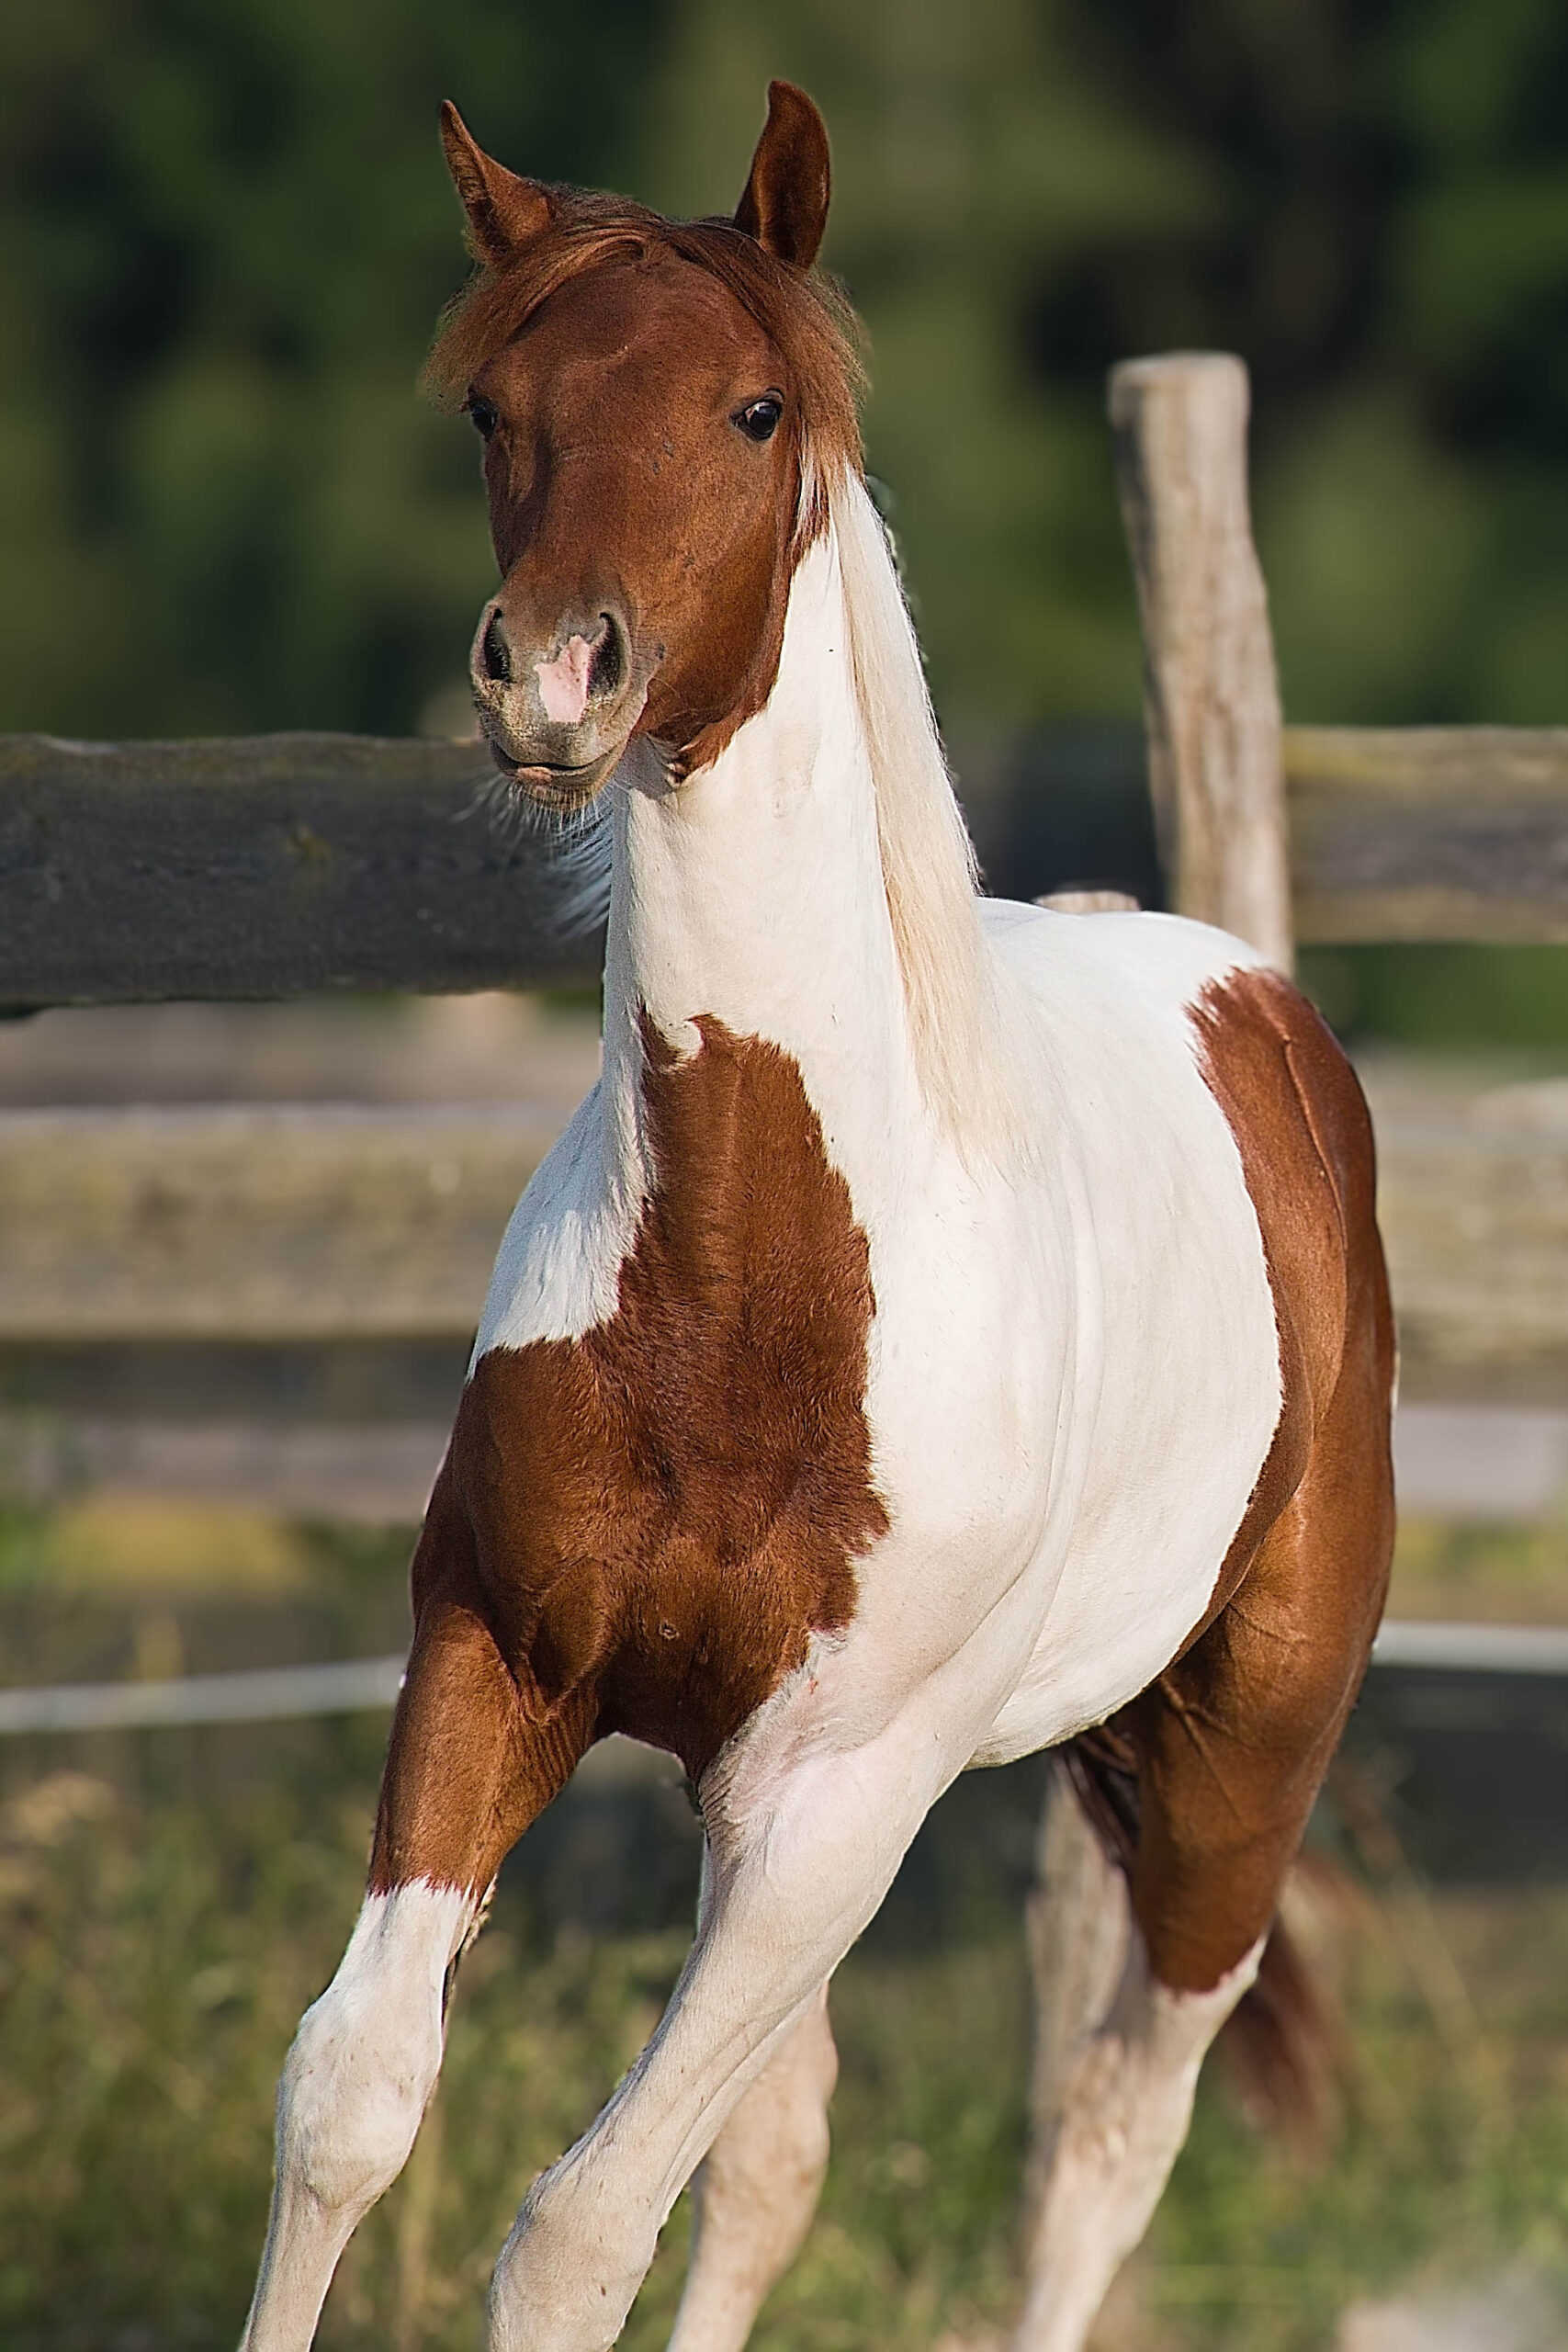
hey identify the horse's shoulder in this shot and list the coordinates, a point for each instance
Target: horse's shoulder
(665, 1503)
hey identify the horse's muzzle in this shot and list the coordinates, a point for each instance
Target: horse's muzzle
(557, 716)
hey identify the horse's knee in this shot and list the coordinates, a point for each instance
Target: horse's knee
(349, 2106)
(366, 2057)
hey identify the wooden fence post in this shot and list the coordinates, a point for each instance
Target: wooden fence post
(1211, 699)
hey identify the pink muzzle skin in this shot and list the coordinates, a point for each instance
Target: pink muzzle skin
(563, 683)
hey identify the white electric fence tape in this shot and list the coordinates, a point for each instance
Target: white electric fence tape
(264, 1697)
(355, 1684)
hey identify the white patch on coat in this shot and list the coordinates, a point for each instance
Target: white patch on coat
(1171, 1393)
(557, 1272)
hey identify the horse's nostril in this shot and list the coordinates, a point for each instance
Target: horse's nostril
(607, 671)
(495, 654)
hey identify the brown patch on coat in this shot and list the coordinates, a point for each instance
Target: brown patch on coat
(639, 1530)
(1301, 1125)
(1205, 1782)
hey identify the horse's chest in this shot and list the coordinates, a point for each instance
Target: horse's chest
(669, 1506)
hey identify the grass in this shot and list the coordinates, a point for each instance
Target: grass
(1447, 2161)
(157, 1956)
(169, 1902)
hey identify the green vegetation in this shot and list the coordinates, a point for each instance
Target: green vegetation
(1462, 999)
(225, 232)
(156, 1958)
(169, 1902)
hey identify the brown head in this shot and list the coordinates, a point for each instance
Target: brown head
(662, 405)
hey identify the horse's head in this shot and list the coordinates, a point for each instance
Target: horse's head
(662, 404)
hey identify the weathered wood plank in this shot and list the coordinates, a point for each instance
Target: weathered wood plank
(1211, 699)
(298, 1226)
(257, 1223)
(1472, 1197)
(1429, 833)
(265, 866)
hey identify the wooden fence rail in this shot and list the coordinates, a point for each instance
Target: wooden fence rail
(270, 865)
(1428, 832)
(281, 866)
(1338, 833)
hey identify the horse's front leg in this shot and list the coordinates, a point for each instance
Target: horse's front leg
(794, 1879)
(757, 2188)
(467, 1768)
(354, 2087)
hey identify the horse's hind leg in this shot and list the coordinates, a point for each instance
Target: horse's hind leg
(1078, 1923)
(463, 1775)
(1104, 2156)
(757, 2189)
(1231, 1745)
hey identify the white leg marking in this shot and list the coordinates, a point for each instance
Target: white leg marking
(757, 2188)
(791, 1888)
(354, 2087)
(1125, 2103)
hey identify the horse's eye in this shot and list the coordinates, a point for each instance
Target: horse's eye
(759, 419)
(483, 413)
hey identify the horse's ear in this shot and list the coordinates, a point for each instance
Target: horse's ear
(786, 203)
(503, 210)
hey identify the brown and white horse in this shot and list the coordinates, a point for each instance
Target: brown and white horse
(949, 1329)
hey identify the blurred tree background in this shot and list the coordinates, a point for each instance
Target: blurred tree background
(225, 232)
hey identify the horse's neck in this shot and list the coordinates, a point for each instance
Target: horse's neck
(754, 895)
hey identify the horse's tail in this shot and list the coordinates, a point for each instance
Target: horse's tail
(1283, 2040)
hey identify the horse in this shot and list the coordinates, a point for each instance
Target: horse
(949, 1330)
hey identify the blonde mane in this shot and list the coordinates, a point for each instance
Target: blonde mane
(964, 1016)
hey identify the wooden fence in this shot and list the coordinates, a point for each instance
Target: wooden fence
(284, 864)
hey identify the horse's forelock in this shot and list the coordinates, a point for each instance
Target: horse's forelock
(804, 313)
